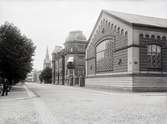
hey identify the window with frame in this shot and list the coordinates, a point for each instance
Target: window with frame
(154, 56)
(104, 55)
(81, 48)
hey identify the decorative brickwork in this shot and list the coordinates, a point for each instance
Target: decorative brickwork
(58, 68)
(104, 55)
(75, 46)
(127, 52)
(91, 66)
(120, 61)
(107, 50)
(153, 53)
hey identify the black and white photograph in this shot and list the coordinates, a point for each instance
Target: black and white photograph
(83, 62)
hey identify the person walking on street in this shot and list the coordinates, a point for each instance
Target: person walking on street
(5, 87)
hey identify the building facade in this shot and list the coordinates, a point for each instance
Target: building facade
(57, 65)
(75, 46)
(127, 52)
(30, 77)
(68, 64)
(33, 76)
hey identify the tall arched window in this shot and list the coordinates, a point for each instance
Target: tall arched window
(104, 55)
(154, 56)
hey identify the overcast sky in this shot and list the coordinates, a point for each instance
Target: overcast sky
(47, 22)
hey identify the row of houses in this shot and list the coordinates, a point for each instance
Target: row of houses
(124, 51)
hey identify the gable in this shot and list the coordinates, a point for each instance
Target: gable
(106, 22)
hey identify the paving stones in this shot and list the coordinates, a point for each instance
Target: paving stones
(74, 105)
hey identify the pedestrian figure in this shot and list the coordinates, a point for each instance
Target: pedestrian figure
(1, 85)
(5, 87)
(0, 89)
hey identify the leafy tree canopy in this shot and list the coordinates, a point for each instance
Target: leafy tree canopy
(46, 75)
(16, 51)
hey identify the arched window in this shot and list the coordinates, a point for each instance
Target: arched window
(103, 21)
(106, 22)
(158, 37)
(154, 56)
(122, 31)
(104, 55)
(112, 26)
(152, 36)
(164, 38)
(115, 28)
(147, 36)
(118, 30)
(141, 35)
(126, 33)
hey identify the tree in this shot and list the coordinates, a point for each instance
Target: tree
(16, 51)
(46, 75)
(40, 77)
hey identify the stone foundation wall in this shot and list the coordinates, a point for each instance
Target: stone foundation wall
(149, 83)
(109, 83)
(128, 83)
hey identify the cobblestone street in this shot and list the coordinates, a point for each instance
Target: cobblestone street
(54, 104)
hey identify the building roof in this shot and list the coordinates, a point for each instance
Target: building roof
(139, 19)
(76, 36)
(57, 49)
(47, 59)
(47, 62)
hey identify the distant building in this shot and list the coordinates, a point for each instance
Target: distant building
(127, 52)
(33, 76)
(75, 46)
(30, 77)
(47, 62)
(58, 65)
(38, 74)
(68, 64)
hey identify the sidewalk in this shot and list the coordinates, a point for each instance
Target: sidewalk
(18, 108)
(17, 92)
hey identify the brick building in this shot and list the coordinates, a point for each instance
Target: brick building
(75, 46)
(127, 52)
(68, 64)
(58, 65)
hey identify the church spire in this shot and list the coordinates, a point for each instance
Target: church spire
(47, 54)
(47, 62)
